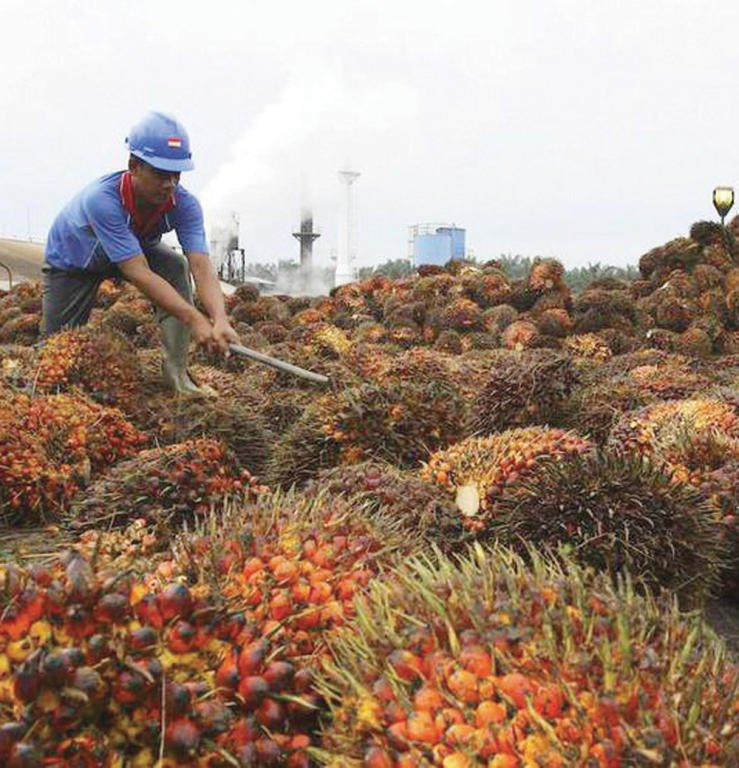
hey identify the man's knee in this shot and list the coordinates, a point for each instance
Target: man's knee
(172, 266)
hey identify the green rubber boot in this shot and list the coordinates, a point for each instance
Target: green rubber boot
(176, 344)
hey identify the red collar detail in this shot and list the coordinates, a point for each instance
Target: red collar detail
(142, 221)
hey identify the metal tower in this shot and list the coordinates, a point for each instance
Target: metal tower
(346, 255)
(306, 236)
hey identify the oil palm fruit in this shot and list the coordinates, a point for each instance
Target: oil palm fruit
(618, 513)
(523, 388)
(488, 661)
(479, 469)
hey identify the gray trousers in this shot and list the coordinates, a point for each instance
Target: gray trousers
(69, 295)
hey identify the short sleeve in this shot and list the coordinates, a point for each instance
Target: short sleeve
(189, 225)
(110, 225)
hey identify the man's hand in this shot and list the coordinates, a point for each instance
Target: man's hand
(224, 334)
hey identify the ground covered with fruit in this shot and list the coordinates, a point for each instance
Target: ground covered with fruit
(493, 539)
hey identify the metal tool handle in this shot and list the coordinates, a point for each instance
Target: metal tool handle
(280, 365)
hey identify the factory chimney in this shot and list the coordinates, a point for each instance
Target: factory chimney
(306, 236)
(346, 255)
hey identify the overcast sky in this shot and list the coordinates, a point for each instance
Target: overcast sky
(589, 131)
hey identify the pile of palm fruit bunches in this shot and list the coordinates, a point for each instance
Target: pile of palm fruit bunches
(488, 541)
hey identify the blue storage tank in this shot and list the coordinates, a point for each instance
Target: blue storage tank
(457, 236)
(432, 249)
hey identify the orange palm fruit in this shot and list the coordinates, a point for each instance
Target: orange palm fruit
(377, 757)
(421, 727)
(463, 685)
(476, 659)
(517, 687)
(458, 760)
(427, 699)
(490, 713)
(549, 700)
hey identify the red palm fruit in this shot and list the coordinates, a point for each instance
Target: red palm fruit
(549, 700)
(24, 755)
(111, 608)
(421, 727)
(231, 627)
(98, 648)
(437, 665)
(382, 690)
(427, 699)
(298, 760)
(448, 717)
(517, 687)
(320, 593)
(280, 606)
(459, 734)
(300, 592)
(377, 757)
(79, 622)
(268, 752)
(407, 665)
(129, 688)
(252, 566)
(213, 716)
(286, 572)
(174, 600)
(177, 699)
(80, 580)
(142, 639)
(279, 675)
(271, 714)
(227, 674)
(474, 658)
(463, 685)
(27, 678)
(10, 733)
(303, 713)
(244, 731)
(182, 737)
(247, 755)
(397, 736)
(252, 656)
(502, 760)
(253, 689)
(181, 637)
(489, 713)
(147, 611)
(40, 575)
(303, 680)
(90, 683)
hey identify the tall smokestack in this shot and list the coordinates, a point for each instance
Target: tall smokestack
(306, 236)
(345, 256)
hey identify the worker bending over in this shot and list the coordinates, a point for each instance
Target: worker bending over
(113, 228)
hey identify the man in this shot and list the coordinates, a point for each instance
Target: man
(113, 227)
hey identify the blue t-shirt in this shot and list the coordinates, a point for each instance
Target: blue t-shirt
(94, 230)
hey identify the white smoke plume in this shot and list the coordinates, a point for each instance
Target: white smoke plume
(292, 151)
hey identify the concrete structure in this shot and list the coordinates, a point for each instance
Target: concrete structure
(346, 255)
(306, 236)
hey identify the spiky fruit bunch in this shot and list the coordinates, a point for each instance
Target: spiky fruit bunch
(435, 289)
(110, 670)
(619, 512)
(520, 334)
(449, 341)
(524, 388)
(351, 299)
(589, 346)
(554, 322)
(497, 319)
(411, 407)
(262, 309)
(487, 290)
(680, 253)
(662, 423)
(460, 315)
(479, 469)
(668, 381)
(24, 329)
(414, 505)
(235, 423)
(546, 274)
(325, 340)
(490, 662)
(50, 444)
(102, 362)
(164, 485)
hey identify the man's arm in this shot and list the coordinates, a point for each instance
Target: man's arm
(210, 293)
(136, 270)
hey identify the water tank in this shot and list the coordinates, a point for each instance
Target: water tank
(437, 243)
(456, 235)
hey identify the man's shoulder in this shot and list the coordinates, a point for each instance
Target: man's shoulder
(102, 191)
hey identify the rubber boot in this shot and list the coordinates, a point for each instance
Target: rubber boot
(176, 344)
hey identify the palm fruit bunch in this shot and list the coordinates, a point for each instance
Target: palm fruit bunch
(350, 299)
(103, 363)
(480, 469)
(668, 381)
(133, 316)
(522, 296)
(50, 446)
(163, 485)
(619, 512)
(497, 319)
(524, 388)
(261, 309)
(490, 661)
(546, 275)
(303, 448)
(325, 340)
(589, 346)
(369, 333)
(597, 308)
(274, 333)
(450, 342)
(414, 505)
(520, 335)
(21, 298)
(435, 289)
(233, 422)
(23, 329)
(643, 430)
(554, 322)
(410, 406)
(459, 315)
(680, 253)
(101, 669)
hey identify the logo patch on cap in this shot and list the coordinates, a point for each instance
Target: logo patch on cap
(174, 142)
